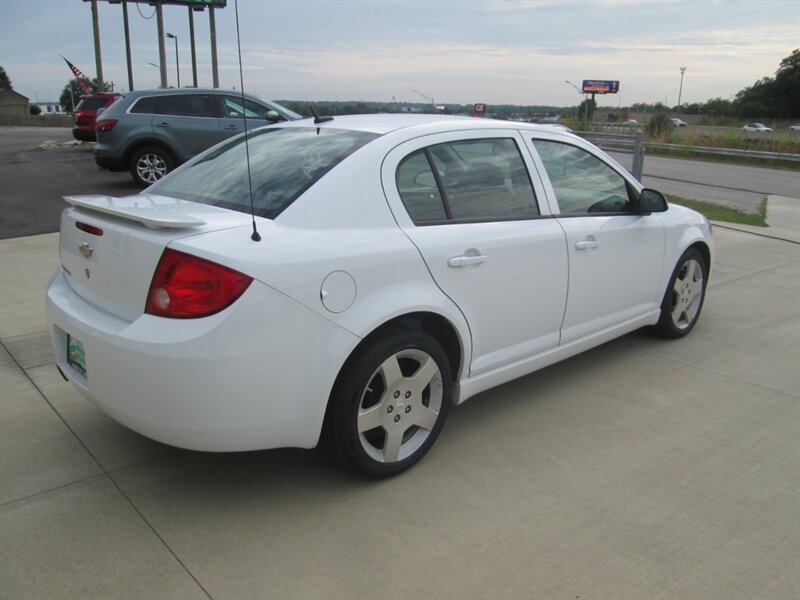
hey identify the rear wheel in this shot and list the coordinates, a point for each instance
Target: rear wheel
(389, 403)
(684, 297)
(150, 164)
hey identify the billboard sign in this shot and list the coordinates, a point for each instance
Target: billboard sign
(600, 86)
(479, 109)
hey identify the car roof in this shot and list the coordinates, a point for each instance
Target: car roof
(383, 123)
(183, 90)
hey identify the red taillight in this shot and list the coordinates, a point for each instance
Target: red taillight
(89, 228)
(105, 124)
(186, 287)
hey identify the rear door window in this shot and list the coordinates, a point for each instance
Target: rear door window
(468, 180)
(146, 106)
(187, 105)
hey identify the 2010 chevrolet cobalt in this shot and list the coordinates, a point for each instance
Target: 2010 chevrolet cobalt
(345, 281)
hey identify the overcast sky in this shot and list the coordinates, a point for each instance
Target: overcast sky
(499, 52)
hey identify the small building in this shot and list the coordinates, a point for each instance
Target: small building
(49, 107)
(13, 104)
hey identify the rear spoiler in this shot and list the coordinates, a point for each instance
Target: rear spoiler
(155, 212)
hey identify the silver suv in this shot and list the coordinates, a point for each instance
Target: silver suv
(151, 132)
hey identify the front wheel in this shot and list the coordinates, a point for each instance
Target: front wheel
(684, 297)
(150, 164)
(389, 403)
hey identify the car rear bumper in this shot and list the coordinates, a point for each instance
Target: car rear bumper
(84, 134)
(254, 376)
(112, 164)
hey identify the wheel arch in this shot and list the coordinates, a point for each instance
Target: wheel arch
(145, 142)
(434, 324)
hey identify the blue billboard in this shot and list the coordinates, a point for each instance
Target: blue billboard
(600, 86)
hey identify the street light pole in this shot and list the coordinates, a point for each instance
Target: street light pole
(172, 36)
(585, 96)
(680, 91)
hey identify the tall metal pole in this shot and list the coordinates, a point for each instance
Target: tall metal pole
(680, 91)
(213, 27)
(98, 60)
(162, 52)
(127, 43)
(191, 39)
(172, 36)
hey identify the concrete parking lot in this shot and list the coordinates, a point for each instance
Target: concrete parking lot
(641, 469)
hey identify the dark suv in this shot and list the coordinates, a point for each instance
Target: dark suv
(151, 132)
(86, 113)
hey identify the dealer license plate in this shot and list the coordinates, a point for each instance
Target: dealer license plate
(76, 355)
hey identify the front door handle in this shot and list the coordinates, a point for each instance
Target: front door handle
(162, 124)
(590, 243)
(465, 260)
(231, 127)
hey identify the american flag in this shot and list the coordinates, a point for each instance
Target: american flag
(82, 81)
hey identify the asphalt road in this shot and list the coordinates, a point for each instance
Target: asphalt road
(33, 181)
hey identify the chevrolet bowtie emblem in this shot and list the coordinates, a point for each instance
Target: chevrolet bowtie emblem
(86, 249)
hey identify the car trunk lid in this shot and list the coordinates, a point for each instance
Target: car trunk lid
(110, 247)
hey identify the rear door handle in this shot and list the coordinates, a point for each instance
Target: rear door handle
(465, 261)
(163, 124)
(231, 127)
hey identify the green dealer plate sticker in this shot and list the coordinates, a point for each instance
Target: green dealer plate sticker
(76, 355)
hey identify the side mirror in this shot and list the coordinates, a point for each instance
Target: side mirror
(651, 201)
(273, 116)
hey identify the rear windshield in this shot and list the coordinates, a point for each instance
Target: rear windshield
(92, 103)
(284, 163)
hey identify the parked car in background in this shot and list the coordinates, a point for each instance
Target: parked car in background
(151, 132)
(403, 263)
(756, 127)
(630, 122)
(795, 127)
(678, 122)
(85, 114)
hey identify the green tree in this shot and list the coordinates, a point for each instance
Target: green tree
(72, 91)
(34, 109)
(773, 97)
(5, 82)
(582, 108)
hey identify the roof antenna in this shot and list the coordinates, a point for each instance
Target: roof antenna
(317, 118)
(256, 237)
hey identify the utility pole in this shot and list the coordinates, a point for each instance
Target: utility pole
(680, 91)
(98, 60)
(191, 37)
(162, 52)
(212, 25)
(127, 43)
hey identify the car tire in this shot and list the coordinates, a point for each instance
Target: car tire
(684, 297)
(389, 403)
(149, 164)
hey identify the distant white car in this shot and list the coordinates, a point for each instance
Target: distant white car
(678, 123)
(756, 127)
(795, 127)
(630, 122)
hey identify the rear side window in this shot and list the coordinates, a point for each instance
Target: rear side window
(284, 164)
(147, 105)
(469, 180)
(187, 105)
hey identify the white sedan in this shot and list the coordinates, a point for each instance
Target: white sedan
(756, 127)
(356, 277)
